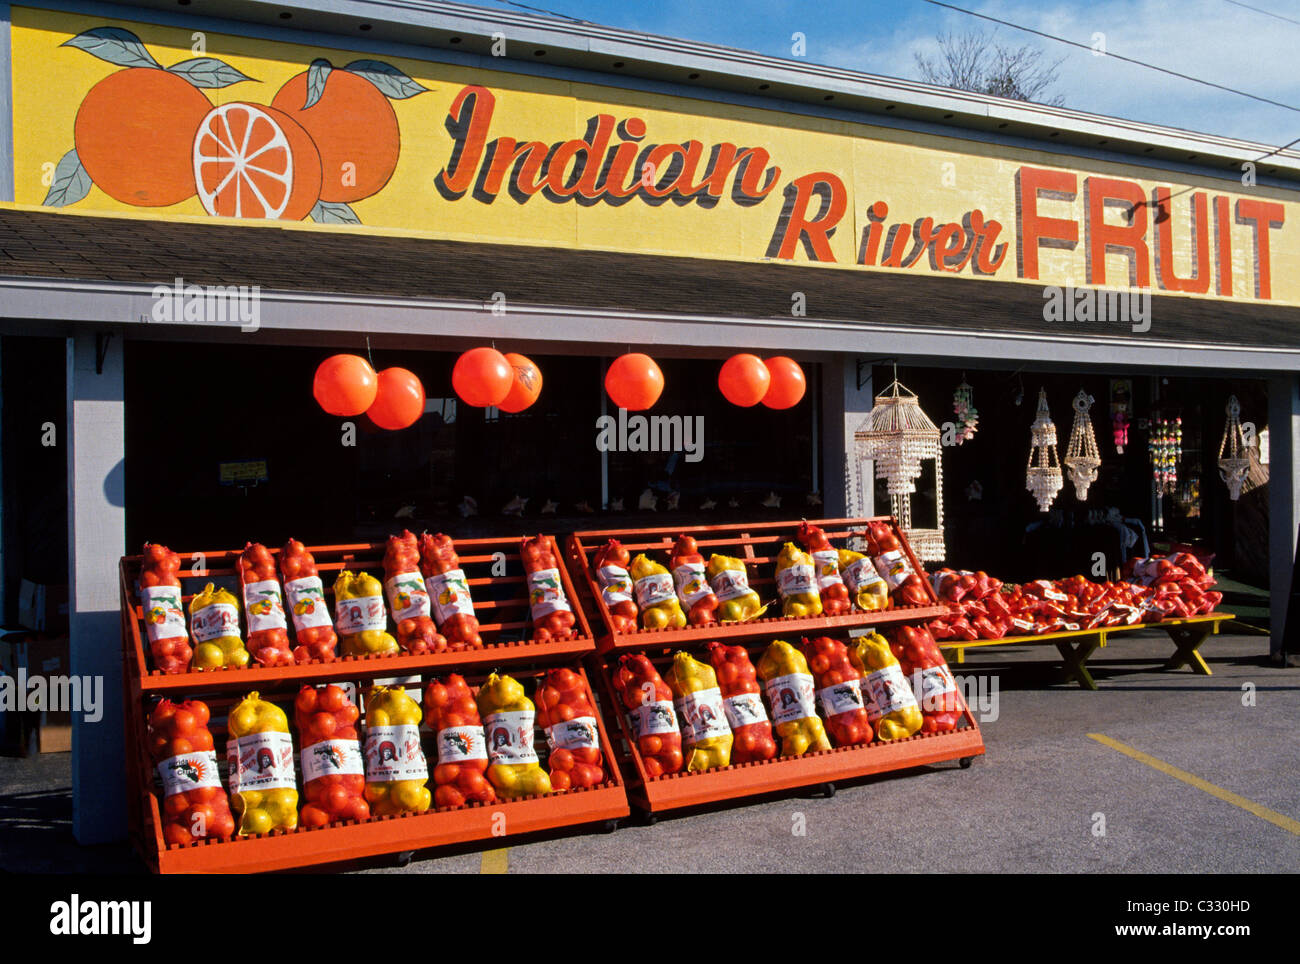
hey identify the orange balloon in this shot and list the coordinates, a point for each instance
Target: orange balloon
(788, 383)
(744, 380)
(634, 382)
(345, 385)
(482, 377)
(525, 388)
(399, 401)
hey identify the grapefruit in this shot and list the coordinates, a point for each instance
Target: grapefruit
(252, 161)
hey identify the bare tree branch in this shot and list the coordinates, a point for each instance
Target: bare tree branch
(977, 61)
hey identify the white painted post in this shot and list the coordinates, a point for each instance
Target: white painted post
(844, 408)
(1283, 497)
(96, 541)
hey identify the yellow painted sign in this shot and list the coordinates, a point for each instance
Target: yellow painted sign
(116, 116)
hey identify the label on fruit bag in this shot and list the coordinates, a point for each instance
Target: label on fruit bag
(653, 718)
(827, 564)
(692, 586)
(703, 715)
(393, 753)
(861, 574)
(360, 615)
(456, 744)
(744, 709)
(615, 585)
(510, 737)
(1022, 625)
(163, 616)
(406, 596)
(799, 579)
(886, 691)
(214, 621)
(840, 698)
(307, 604)
(730, 584)
(654, 589)
(449, 595)
(188, 771)
(793, 697)
(261, 761)
(579, 733)
(936, 683)
(264, 606)
(893, 567)
(546, 594)
(330, 758)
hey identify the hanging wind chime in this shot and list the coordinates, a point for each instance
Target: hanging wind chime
(1165, 447)
(897, 436)
(968, 416)
(1043, 473)
(1236, 464)
(1082, 460)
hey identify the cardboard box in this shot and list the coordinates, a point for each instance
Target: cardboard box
(40, 731)
(43, 608)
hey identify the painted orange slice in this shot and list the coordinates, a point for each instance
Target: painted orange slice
(252, 161)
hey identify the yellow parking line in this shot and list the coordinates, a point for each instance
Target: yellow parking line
(1264, 813)
(495, 862)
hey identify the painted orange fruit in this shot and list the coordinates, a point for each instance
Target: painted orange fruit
(133, 134)
(355, 129)
(252, 161)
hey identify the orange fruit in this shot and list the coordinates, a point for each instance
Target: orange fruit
(352, 124)
(253, 161)
(133, 134)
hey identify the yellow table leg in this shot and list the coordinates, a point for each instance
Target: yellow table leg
(1076, 656)
(1188, 639)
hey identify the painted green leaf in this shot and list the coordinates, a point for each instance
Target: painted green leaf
(71, 182)
(207, 72)
(317, 74)
(115, 45)
(391, 81)
(333, 212)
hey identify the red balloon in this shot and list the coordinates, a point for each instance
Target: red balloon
(400, 400)
(525, 387)
(744, 380)
(634, 382)
(482, 377)
(345, 385)
(788, 383)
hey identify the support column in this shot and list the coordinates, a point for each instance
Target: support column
(96, 541)
(844, 407)
(1283, 497)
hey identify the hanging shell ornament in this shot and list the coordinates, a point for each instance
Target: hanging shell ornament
(1082, 460)
(1236, 463)
(1043, 473)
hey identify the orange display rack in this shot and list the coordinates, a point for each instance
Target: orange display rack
(501, 599)
(758, 544)
(675, 791)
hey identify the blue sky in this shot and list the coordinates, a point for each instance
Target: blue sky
(1216, 40)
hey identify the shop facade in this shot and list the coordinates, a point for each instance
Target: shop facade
(572, 192)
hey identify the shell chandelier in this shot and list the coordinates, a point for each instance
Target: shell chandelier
(897, 436)
(1236, 463)
(1082, 460)
(1043, 473)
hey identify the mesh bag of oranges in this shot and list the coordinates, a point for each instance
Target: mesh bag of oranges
(651, 715)
(259, 757)
(360, 616)
(706, 736)
(565, 712)
(508, 720)
(462, 748)
(839, 690)
(656, 596)
(615, 583)
(792, 693)
(194, 804)
(164, 617)
(448, 589)
(408, 598)
(796, 583)
(396, 771)
(214, 621)
(313, 630)
(268, 631)
(891, 704)
(743, 701)
(333, 770)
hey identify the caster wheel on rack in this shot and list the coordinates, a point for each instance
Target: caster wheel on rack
(404, 858)
(828, 790)
(609, 826)
(966, 761)
(649, 819)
